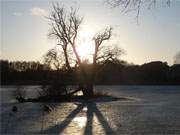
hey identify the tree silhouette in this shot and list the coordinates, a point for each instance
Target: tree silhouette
(54, 59)
(65, 28)
(134, 5)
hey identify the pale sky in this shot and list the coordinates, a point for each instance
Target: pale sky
(157, 36)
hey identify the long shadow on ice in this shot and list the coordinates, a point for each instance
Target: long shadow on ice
(92, 110)
(60, 127)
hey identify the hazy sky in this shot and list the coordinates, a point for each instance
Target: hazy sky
(157, 36)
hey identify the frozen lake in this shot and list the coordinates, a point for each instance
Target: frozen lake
(152, 110)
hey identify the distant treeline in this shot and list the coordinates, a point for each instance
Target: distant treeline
(116, 72)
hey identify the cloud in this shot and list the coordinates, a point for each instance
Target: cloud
(36, 11)
(17, 14)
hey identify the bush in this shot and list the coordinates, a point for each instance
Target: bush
(53, 90)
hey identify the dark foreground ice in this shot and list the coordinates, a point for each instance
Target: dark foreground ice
(150, 110)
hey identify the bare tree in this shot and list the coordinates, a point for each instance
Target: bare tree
(65, 27)
(101, 55)
(134, 5)
(54, 59)
(98, 39)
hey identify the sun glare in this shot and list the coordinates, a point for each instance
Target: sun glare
(86, 47)
(85, 50)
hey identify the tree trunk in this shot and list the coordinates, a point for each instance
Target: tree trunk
(67, 60)
(88, 90)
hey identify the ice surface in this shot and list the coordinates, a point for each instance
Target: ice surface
(153, 110)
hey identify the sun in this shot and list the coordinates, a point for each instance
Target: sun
(86, 47)
(85, 50)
